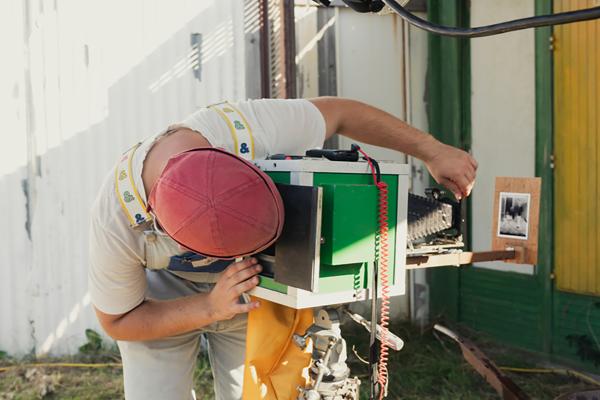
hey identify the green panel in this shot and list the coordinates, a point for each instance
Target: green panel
(280, 177)
(543, 168)
(505, 305)
(342, 277)
(269, 283)
(354, 201)
(449, 75)
(349, 223)
(349, 276)
(448, 109)
(514, 308)
(576, 330)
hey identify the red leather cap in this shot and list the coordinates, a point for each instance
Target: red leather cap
(217, 204)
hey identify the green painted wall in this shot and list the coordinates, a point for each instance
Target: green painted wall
(576, 329)
(511, 307)
(448, 110)
(521, 310)
(504, 305)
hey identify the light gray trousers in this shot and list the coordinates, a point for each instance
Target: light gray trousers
(164, 369)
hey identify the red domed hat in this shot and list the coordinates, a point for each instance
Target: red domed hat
(217, 204)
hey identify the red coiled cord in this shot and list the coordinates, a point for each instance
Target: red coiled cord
(383, 258)
(382, 375)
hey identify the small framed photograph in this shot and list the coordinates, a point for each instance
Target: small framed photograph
(513, 215)
(516, 216)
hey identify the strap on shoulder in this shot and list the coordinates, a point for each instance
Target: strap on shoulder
(241, 132)
(131, 202)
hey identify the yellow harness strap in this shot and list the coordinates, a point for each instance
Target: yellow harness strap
(127, 193)
(241, 132)
(275, 366)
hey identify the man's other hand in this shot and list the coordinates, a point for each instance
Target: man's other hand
(453, 168)
(238, 278)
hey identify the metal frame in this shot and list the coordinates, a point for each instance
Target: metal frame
(321, 165)
(301, 173)
(544, 142)
(298, 298)
(306, 179)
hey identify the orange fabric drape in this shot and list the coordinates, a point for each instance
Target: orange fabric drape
(275, 366)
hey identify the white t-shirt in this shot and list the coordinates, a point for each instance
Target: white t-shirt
(119, 254)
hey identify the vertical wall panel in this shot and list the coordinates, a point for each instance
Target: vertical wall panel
(577, 132)
(103, 76)
(15, 243)
(382, 85)
(502, 114)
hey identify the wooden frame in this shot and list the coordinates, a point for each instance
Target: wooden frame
(515, 223)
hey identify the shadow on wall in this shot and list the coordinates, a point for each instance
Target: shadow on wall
(44, 303)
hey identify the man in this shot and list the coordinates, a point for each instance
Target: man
(144, 296)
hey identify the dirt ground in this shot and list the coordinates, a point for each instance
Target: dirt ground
(428, 367)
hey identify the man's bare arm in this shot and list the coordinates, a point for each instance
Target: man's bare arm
(155, 319)
(449, 166)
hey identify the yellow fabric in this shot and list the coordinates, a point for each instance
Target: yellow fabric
(275, 366)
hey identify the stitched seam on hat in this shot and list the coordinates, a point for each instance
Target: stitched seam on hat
(198, 213)
(235, 190)
(215, 230)
(184, 190)
(248, 219)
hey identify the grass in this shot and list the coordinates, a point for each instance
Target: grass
(427, 368)
(433, 368)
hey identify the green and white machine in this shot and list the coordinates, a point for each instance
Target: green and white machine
(327, 249)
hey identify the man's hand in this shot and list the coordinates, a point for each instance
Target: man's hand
(238, 278)
(448, 165)
(451, 167)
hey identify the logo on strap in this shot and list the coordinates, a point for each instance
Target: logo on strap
(241, 133)
(127, 193)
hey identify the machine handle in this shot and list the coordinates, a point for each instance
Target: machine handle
(394, 341)
(334, 155)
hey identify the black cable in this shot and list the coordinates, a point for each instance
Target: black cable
(373, 348)
(354, 148)
(495, 29)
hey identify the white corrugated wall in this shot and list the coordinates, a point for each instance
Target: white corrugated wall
(81, 81)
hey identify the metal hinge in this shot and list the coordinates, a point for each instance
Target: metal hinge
(551, 161)
(551, 41)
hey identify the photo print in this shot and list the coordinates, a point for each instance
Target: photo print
(513, 215)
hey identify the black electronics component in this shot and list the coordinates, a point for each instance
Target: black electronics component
(334, 155)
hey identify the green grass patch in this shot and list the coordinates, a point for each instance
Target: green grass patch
(431, 366)
(427, 368)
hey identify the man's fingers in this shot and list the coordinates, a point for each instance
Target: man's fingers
(470, 177)
(243, 287)
(470, 187)
(452, 187)
(470, 173)
(474, 163)
(244, 308)
(462, 183)
(245, 274)
(238, 266)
